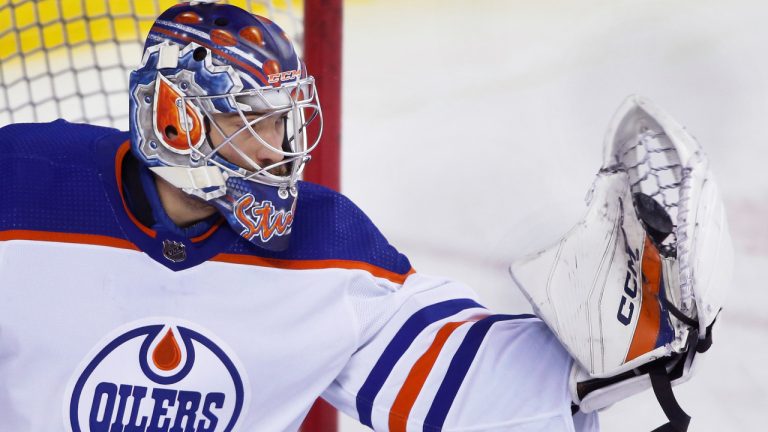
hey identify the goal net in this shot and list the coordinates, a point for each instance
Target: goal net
(71, 58)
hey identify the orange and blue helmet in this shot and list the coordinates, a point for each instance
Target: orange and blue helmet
(208, 64)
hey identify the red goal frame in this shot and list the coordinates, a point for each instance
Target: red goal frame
(323, 21)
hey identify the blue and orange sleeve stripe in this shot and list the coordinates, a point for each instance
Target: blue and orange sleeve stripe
(457, 371)
(397, 348)
(453, 377)
(414, 382)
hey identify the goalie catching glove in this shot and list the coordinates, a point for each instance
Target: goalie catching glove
(633, 290)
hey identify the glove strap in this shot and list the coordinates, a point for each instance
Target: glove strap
(662, 388)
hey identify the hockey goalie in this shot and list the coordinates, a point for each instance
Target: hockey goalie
(181, 276)
(634, 289)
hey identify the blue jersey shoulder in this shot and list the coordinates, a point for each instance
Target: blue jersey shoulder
(329, 226)
(57, 142)
(50, 179)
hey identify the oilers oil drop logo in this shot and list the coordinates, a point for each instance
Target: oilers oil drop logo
(157, 375)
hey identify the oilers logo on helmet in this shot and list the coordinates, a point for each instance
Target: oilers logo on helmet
(157, 374)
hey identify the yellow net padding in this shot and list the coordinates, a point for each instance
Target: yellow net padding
(71, 58)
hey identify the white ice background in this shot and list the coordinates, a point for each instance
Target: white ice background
(473, 129)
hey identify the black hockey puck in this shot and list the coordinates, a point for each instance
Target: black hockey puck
(657, 222)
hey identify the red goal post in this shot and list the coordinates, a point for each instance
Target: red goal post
(322, 54)
(71, 59)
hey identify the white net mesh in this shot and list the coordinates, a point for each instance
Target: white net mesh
(654, 169)
(71, 58)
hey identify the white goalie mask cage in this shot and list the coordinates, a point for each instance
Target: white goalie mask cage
(288, 105)
(633, 290)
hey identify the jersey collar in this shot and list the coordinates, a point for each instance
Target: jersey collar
(174, 247)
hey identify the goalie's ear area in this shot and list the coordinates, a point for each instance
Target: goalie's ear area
(598, 288)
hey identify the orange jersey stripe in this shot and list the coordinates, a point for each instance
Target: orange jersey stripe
(314, 265)
(406, 397)
(208, 233)
(649, 320)
(100, 240)
(50, 236)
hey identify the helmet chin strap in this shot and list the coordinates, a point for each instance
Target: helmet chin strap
(206, 182)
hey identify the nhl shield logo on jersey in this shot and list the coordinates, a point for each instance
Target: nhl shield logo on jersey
(157, 375)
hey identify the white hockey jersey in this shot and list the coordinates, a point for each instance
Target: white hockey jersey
(114, 319)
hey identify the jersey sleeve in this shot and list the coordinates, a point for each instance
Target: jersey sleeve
(441, 361)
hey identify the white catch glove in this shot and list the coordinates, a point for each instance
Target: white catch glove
(633, 289)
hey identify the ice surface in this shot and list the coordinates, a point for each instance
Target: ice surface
(472, 131)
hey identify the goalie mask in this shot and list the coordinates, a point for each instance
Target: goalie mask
(633, 291)
(219, 108)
